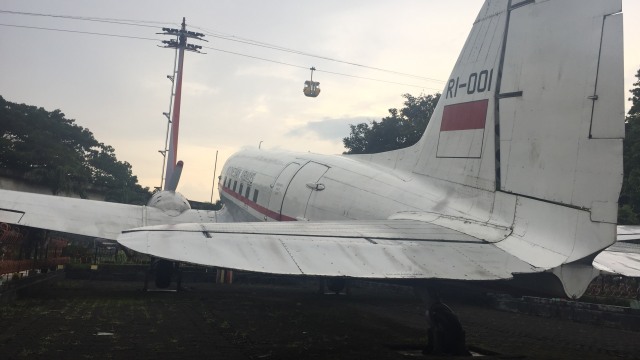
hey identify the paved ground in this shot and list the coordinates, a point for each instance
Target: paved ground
(81, 319)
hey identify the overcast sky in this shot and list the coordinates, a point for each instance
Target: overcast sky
(117, 86)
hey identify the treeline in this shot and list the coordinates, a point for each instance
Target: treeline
(404, 127)
(629, 211)
(45, 148)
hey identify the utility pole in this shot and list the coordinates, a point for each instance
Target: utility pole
(167, 114)
(180, 44)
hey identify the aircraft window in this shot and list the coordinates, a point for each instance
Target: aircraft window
(248, 192)
(255, 196)
(224, 183)
(235, 183)
(240, 190)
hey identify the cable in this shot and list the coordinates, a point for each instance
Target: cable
(141, 23)
(280, 48)
(256, 57)
(80, 32)
(323, 71)
(95, 19)
(384, 81)
(220, 50)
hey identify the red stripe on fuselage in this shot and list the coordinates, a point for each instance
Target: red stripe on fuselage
(261, 209)
(465, 116)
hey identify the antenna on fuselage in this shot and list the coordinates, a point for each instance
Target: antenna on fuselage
(215, 167)
(180, 45)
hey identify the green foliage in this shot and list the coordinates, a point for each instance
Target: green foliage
(48, 149)
(402, 128)
(626, 215)
(635, 98)
(629, 211)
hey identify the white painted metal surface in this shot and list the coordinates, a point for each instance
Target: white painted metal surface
(87, 217)
(546, 130)
(621, 258)
(628, 232)
(364, 249)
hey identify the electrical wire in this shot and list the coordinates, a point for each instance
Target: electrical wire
(140, 23)
(219, 50)
(80, 32)
(143, 23)
(284, 49)
(211, 48)
(317, 70)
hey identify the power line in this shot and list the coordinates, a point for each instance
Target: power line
(79, 32)
(142, 23)
(284, 49)
(384, 81)
(219, 50)
(323, 71)
(256, 57)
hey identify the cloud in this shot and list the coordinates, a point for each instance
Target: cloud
(199, 89)
(328, 128)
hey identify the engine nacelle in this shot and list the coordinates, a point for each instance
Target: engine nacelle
(170, 202)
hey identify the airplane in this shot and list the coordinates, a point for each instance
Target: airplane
(515, 180)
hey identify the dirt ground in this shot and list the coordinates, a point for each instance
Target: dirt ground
(90, 319)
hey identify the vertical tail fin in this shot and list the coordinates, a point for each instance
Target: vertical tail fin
(534, 108)
(529, 127)
(534, 105)
(534, 112)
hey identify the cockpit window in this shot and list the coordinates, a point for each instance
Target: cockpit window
(255, 196)
(235, 183)
(240, 190)
(248, 192)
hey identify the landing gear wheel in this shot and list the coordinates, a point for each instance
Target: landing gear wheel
(445, 334)
(164, 270)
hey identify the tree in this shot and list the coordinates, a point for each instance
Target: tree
(48, 149)
(402, 128)
(629, 212)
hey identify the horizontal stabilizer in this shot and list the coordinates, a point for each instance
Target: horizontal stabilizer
(621, 258)
(628, 233)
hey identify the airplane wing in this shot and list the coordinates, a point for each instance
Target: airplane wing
(622, 258)
(364, 249)
(87, 217)
(628, 233)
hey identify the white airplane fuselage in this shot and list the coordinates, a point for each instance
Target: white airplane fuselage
(262, 185)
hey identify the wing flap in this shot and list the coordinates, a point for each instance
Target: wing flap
(363, 249)
(379, 229)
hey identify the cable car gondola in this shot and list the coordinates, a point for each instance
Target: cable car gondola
(311, 88)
